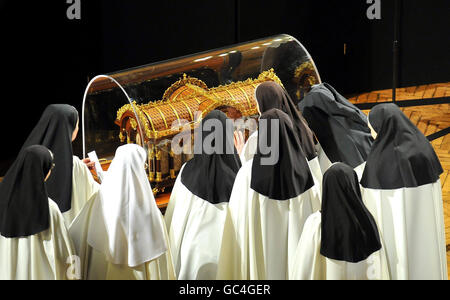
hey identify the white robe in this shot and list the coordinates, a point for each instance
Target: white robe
(195, 233)
(84, 187)
(249, 150)
(260, 234)
(309, 264)
(250, 147)
(95, 265)
(120, 234)
(411, 224)
(49, 255)
(325, 163)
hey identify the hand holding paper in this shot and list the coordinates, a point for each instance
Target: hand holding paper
(98, 168)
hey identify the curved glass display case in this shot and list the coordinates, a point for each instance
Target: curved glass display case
(152, 104)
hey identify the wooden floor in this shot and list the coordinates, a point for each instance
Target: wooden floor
(429, 119)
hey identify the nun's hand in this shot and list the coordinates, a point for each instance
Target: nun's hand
(239, 141)
(89, 164)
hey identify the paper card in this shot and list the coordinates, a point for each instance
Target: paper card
(98, 167)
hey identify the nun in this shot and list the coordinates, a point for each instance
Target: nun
(271, 95)
(120, 234)
(269, 205)
(340, 242)
(402, 189)
(72, 184)
(340, 127)
(198, 205)
(34, 242)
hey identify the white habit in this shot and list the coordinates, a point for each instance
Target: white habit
(120, 234)
(411, 224)
(309, 264)
(84, 187)
(402, 190)
(48, 255)
(195, 233)
(261, 235)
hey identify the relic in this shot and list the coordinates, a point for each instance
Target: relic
(152, 104)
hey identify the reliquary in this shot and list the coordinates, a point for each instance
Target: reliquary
(151, 104)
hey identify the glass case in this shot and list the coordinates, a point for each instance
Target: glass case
(152, 104)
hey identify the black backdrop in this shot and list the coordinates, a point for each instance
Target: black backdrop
(47, 58)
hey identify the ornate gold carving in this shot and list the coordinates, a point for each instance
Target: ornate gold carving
(305, 77)
(158, 154)
(142, 118)
(179, 93)
(182, 82)
(162, 116)
(151, 152)
(206, 99)
(306, 67)
(159, 190)
(189, 110)
(121, 137)
(231, 95)
(159, 177)
(122, 111)
(152, 165)
(172, 159)
(133, 123)
(264, 76)
(246, 96)
(151, 123)
(198, 101)
(176, 113)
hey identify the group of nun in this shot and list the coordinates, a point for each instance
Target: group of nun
(58, 223)
(349, 197)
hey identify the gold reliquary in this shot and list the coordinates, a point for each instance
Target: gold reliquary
(186, 102)
(153, 104)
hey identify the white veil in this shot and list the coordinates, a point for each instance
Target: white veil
(126, 224)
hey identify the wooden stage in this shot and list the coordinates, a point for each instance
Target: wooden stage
(429, 119)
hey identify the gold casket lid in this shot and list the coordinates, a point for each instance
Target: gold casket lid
(188, 101)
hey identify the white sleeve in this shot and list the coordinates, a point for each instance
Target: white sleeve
(249, 149)
(233, 258)
(84, 187)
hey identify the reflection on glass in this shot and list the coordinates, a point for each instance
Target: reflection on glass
(141, 104)
(100, 133)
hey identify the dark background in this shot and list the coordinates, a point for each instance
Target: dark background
(47, 58)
